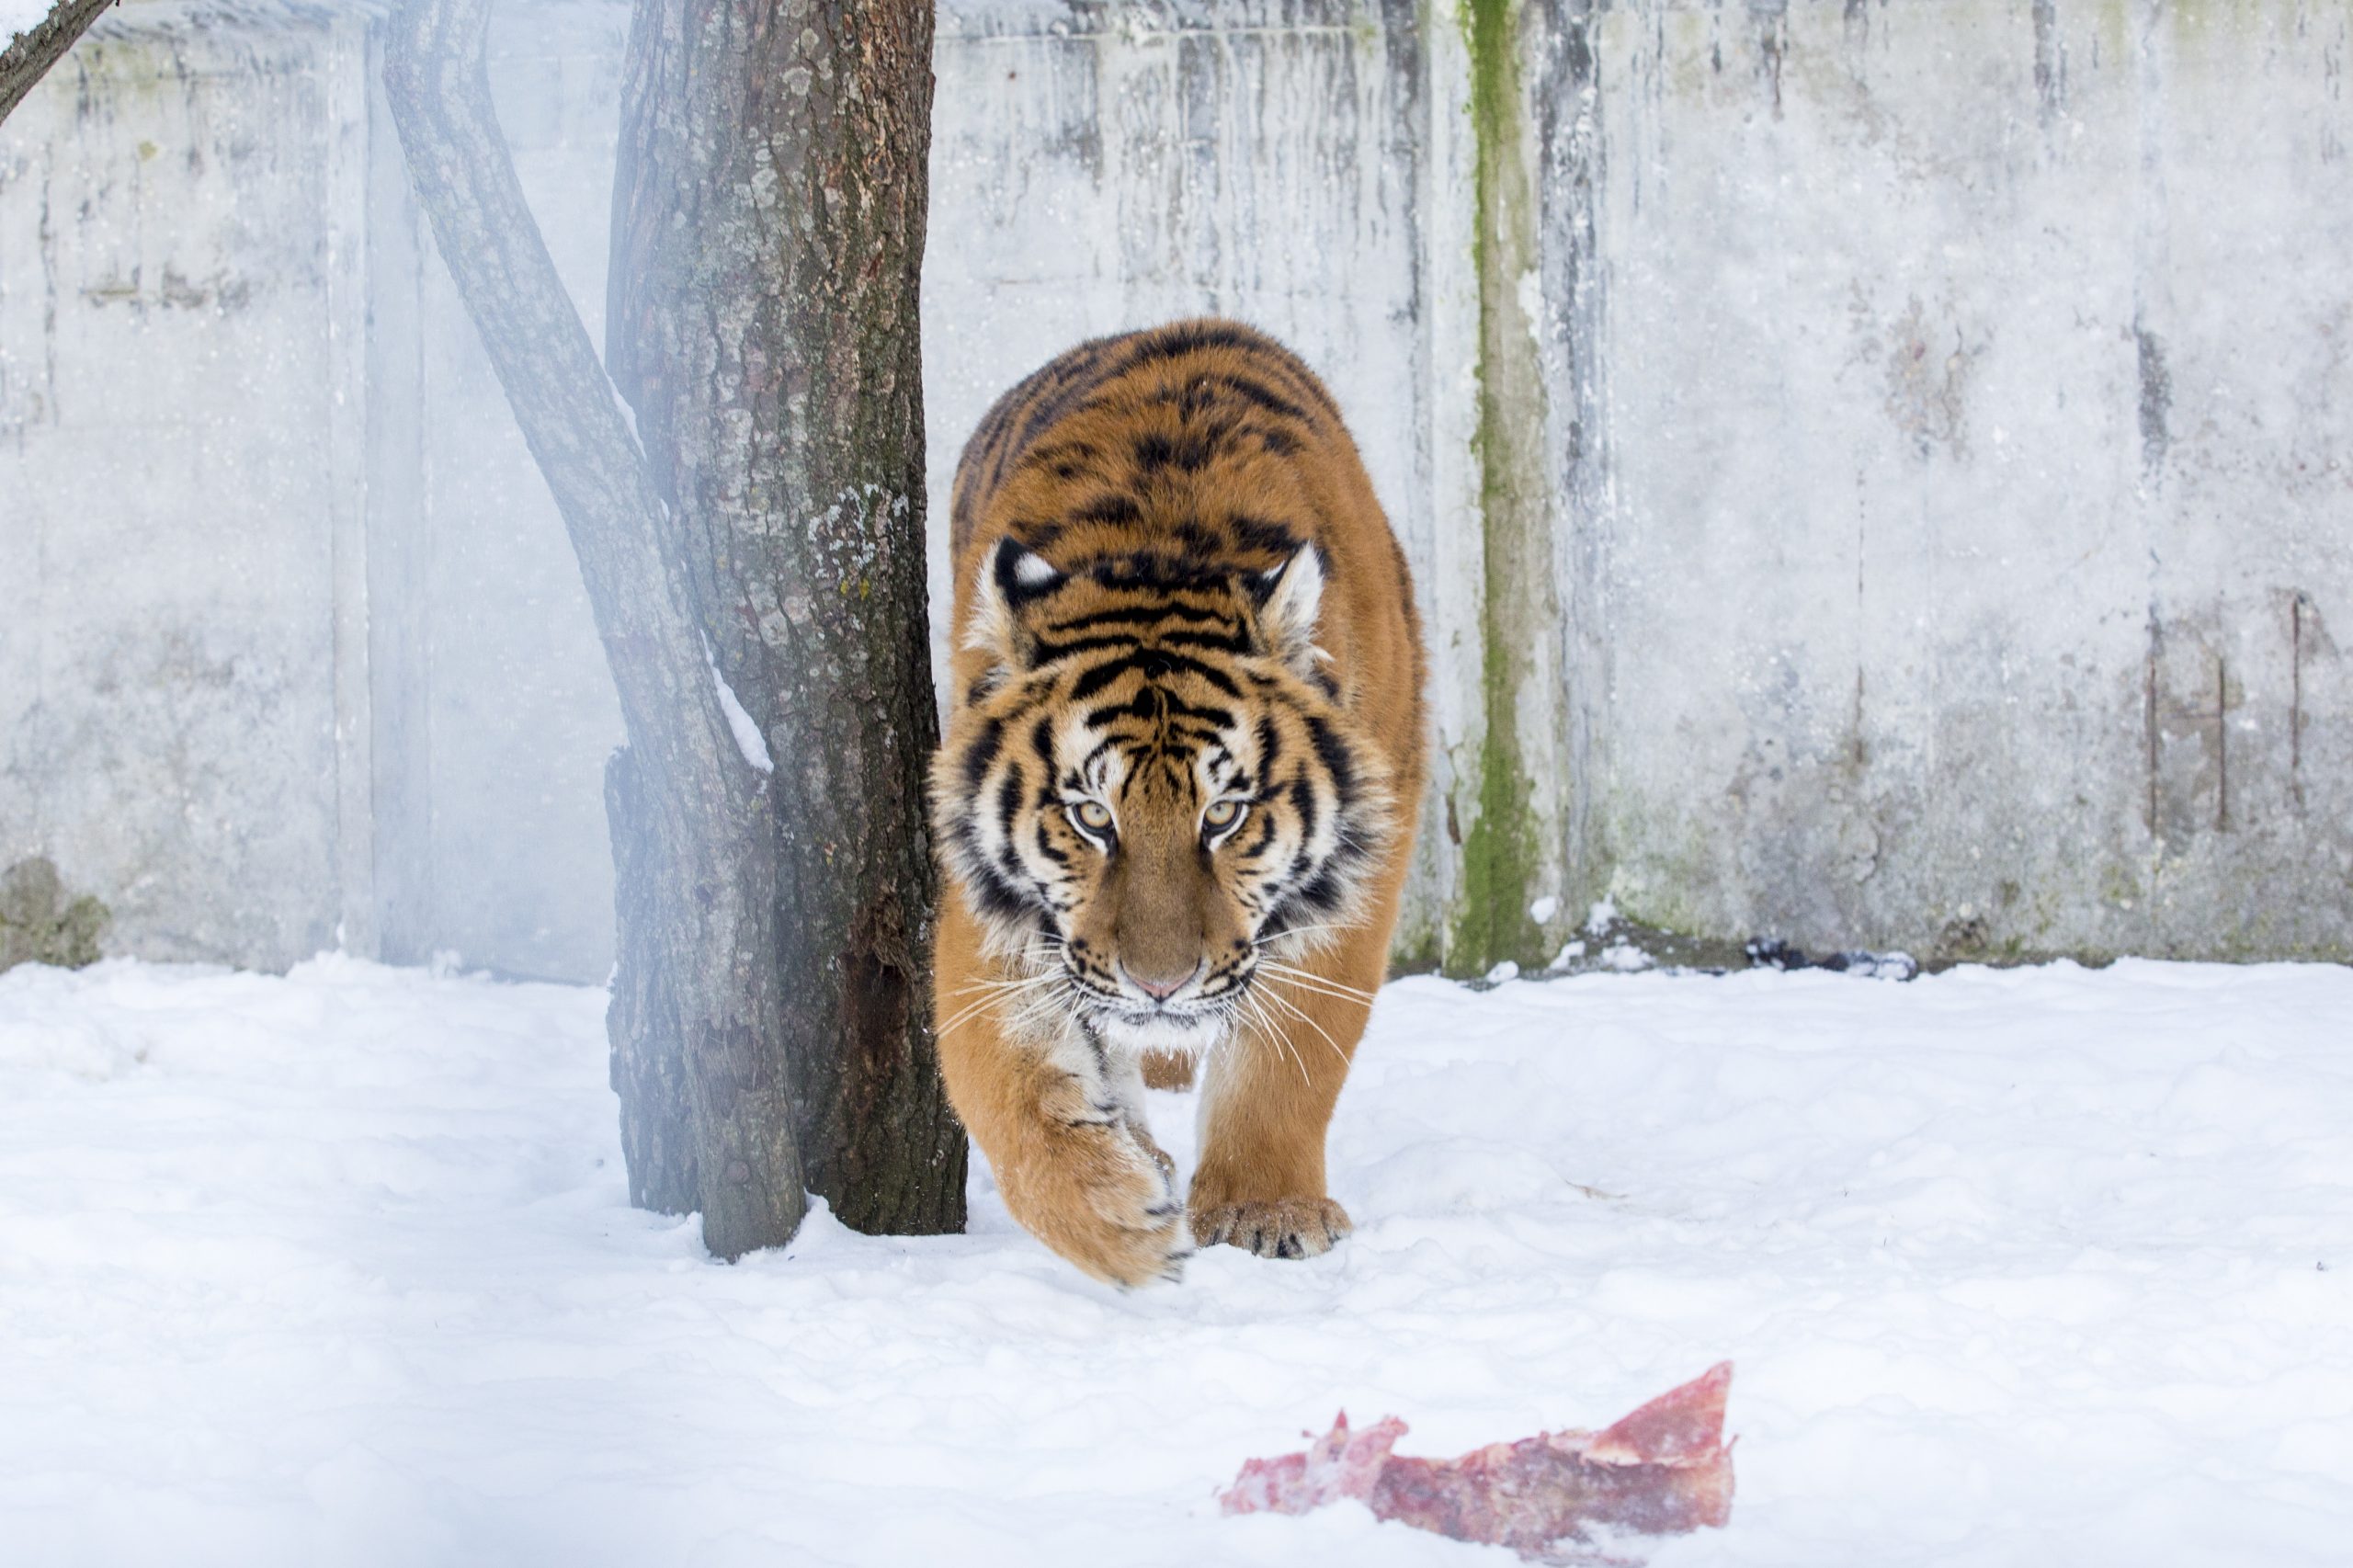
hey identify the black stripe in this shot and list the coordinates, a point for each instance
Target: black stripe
(993, 425)
(1072, 381)
(995, 895)
(1334, 751)
(1002, 447)
(1008, 805)
(1229, 642)
(1151, 569)
(981, 753)
(1068, 459)
(1323, 893)
(1061, 451)
(1263, 395)
(1088, 760)
(1190, 450)
(1048, 651)
(1267, 355)
(1266, 835)
(1110, 508)
(1188, 337)
(1156, 663)
(1154, 702)
(1257, 533)
(1141, 614)
(1101, 676)
(1270, 745)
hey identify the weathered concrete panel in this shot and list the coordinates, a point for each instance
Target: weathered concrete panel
(1976, 464)
(301, 653)
(168, 302)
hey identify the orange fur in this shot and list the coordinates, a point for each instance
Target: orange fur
(1177, 602)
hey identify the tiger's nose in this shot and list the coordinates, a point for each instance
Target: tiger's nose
(1161, 989)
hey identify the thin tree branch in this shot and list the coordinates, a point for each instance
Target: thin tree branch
(696, 1007)
(570, 415)
(28, 59)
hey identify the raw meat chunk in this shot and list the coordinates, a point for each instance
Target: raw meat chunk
(1559, 1496)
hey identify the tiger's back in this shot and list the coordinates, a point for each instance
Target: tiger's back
(1207, 445)
(1177, 603)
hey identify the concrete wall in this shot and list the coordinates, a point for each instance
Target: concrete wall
(1977, 495)
(1876, 473)
(292, 650)
(182, 481)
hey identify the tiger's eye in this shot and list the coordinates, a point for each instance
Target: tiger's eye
(1223, 813)
(1092, 814)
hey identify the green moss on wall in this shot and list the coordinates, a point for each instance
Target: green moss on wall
(39, 924)
(1502, 845)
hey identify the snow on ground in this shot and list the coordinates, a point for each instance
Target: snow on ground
(2031, 1266)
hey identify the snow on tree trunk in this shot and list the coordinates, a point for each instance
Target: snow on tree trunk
(769, 207)
(25, 57)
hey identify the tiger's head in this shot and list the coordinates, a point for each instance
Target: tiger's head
(1150, 790)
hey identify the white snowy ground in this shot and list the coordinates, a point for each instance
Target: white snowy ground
(2040, 1267)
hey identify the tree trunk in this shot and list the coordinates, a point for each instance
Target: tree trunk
(769, 210)
(773, 927)
(27, 58)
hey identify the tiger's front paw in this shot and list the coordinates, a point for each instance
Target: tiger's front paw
(1099, 1191)
(1281, 1227)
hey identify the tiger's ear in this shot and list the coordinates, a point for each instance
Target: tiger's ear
(1010, 576)
(1289, 599)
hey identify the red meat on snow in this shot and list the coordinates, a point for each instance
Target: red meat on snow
(1664, 1470)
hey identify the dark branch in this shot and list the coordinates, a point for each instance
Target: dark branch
(28, 59)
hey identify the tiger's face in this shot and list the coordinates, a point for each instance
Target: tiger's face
(1153, 793)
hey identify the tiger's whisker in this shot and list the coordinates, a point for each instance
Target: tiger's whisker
(1272, 1031)
(1301, 1015)
(1307, 930)
(1306, 980)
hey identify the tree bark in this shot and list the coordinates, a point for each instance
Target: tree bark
(27, 59)
(706, 1118)
(768, 229)
(768, 1025)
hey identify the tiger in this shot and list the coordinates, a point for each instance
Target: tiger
(1176, 794)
